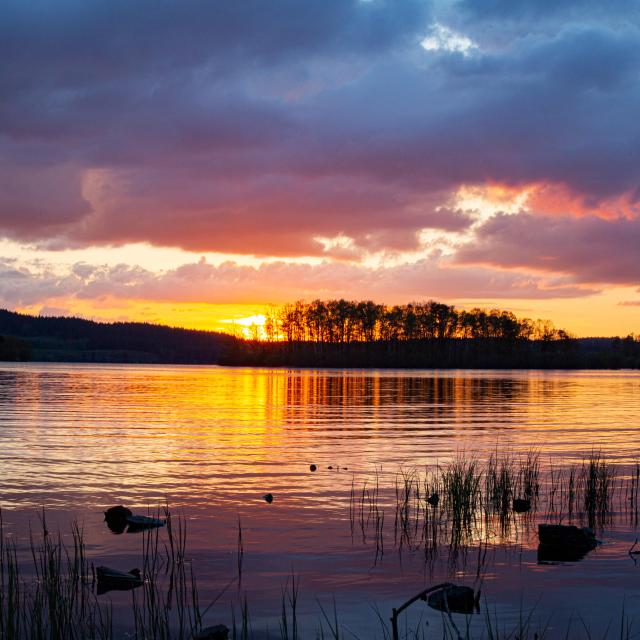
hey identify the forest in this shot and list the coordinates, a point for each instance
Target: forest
(345, 321)
(59, 339)
(334, 333)
(361, 334)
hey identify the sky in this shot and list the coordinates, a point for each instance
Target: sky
(193, 162)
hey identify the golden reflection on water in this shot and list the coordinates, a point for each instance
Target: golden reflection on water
(190, 433)
(212, 441)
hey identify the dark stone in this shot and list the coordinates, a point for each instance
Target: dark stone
(143, 523)
(268, 498)
(117, 512)
(433, 499)
(217, 632)
(455, 599)
(329, 467)
(114, 580)
(116, 518)
(313, 467)
(521, 505)
(564, 543)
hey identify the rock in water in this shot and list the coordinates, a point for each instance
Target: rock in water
(142, 523)
(433, 499)
(455, 599)
(116, 518)
(115, 580)
(268, 498)
(313, 467)
(218, 632)
(564, 543)
(117, 512)
(521, 505)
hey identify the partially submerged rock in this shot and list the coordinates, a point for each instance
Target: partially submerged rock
(521, 505)
(564, 543)
(217, 632)
(455, 598)
(142, 523)
(268, 497)
(119, 518)
(115, 580)
(116, 518)
(312, 467)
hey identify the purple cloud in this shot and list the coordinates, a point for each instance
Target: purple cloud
(274, 282)
(258, 127)
(589, 249)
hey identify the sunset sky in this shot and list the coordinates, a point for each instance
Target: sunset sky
(191, 162)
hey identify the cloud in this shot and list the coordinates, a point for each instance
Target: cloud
(272, 282)
(589, 249)
(274, 128)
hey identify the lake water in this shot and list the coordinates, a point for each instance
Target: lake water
(212, 441)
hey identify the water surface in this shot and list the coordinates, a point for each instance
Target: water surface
(211, 441)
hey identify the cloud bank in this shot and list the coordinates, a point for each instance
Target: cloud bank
(271, 129)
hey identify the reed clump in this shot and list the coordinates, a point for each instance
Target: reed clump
(467, 499)
(55, 598)
(597, 483)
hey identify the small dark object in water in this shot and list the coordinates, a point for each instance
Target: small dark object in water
(218, 632)
(521, 505)
(117, 512)
(455, 599)
(142, 523)
(564, 543)
(313, 467)
(114, 580)
(329, 467)
(116, 518)
(268, 498)
(433, 499)
(345, 469)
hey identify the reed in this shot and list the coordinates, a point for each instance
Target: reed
(461, 486)
(289, 602)
(240, 552)
(58, 602)
(597, 483)
(475, 499)
(52, 595)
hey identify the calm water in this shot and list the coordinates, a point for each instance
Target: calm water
(211, 441)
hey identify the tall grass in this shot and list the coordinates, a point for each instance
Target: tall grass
(475, 500)
(51, 595)
(58, 601)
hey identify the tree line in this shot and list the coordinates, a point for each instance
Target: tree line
(347, 321)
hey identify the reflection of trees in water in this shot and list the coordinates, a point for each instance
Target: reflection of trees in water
(400, 397)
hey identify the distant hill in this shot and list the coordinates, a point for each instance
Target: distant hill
(53, 339)
(44, 339)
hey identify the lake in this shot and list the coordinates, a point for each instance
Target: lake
(212, 441)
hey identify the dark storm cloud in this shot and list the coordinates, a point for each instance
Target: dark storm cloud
(255, 127)
(595, 250)
(549, 9)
